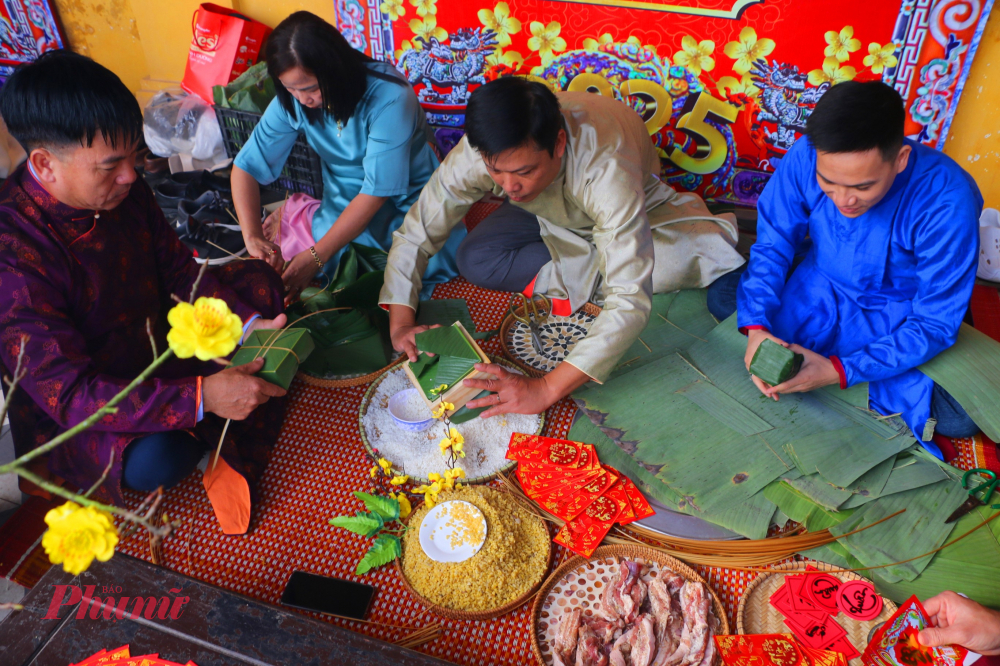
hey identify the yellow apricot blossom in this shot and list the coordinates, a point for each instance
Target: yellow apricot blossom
(511, 59)
(695, 56)
(841, 45)
(546, 40)
(880, 57)
(206, 330)
(77, 535)
(393, 9)
(831, 73)
(425, 7)
(404, 503)
(595, 44)
(744, 85)
(441, 409)
(425, 30)
(501, 22)
(748, 49)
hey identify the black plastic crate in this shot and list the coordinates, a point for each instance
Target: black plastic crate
(303, 170)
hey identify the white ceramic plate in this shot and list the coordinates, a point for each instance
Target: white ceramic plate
(445, 538)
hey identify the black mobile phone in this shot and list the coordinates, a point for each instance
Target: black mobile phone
(328, 595)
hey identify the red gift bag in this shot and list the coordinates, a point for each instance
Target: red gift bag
(224, 44)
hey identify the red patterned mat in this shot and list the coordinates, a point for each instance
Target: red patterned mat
(318, 462)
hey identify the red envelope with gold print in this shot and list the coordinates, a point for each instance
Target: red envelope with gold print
(760, 650)
(584, 534)
(559, 452)
(568, 502)
(617, 493)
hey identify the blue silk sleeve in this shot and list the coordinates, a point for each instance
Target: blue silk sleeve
(390, 141)
(946, 246)
(782, 224)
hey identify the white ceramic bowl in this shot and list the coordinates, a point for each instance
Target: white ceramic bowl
(396, 403)
(437, 530)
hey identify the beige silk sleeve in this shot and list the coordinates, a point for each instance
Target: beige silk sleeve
(613, 197)
(459, 182)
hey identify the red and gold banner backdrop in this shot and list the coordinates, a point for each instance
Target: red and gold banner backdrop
(724, 86)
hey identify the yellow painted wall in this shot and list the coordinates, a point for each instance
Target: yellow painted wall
(974, 140)
(146, 42)
(107, 31)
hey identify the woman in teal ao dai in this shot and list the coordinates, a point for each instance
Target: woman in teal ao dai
(364, 121)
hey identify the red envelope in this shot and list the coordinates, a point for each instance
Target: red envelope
(584, 534)
(571, 503)
(818, 635)
(545, 449)
(617, 493)
(761, 650)
(636, 498)
(800, 597)
(781, 600)
(844, 647)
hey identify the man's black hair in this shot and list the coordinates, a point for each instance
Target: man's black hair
(307, 41)
(853, 117)
(63, 98)
(510, 112)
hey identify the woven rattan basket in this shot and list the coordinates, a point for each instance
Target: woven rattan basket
(370, 393)
(610, 554)
(756, 616)
(453, 614)
(349, 381)
(505, 332)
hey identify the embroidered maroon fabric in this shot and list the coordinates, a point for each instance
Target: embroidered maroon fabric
(81, 290)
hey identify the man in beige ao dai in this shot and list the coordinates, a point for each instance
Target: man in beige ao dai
(586, 219)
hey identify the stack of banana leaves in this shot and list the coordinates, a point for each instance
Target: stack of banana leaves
(681, 417)
(349, 328)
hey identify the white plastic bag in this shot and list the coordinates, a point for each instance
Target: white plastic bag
(989, 245)
(176, 123)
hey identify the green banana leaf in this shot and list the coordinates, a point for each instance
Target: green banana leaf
(908, 472)
(446, 311)
(251, 91)
(608, 452)
(843, 456)
(370, 259)
(970, 372)
(676, 321)
(725, 409)
(920, 529)
(464, 413)
(454, 359)
(349, 342)
(886, 428)
(819, 490)
(970, 566)
(871, 483)
(446, 341)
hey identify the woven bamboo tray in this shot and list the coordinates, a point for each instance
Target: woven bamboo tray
(755, 615)
(474, 616)
(610, 554)
(370, 393)
(348, 381)
(505, 338)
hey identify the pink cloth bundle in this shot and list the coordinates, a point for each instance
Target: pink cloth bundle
(295, 233)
